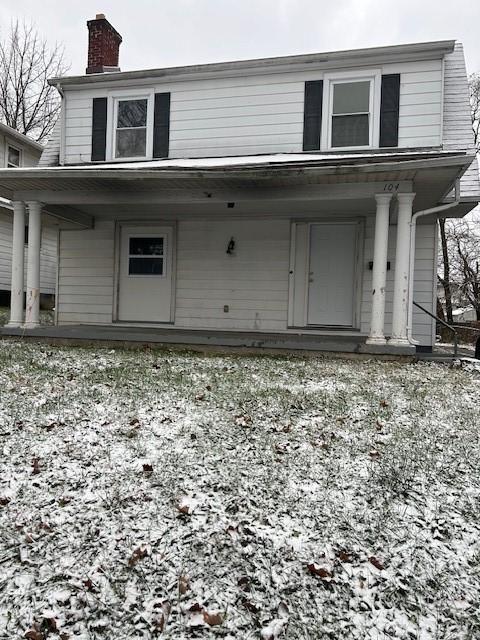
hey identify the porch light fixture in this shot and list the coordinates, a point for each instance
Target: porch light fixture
(231, 247)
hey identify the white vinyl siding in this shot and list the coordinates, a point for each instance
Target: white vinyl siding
(256, 113)
(86, 275)
(253, 282)
(420, 115)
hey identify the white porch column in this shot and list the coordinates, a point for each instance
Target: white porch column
(32, 312)
(18, 243)
(379, 273)
(402, 269)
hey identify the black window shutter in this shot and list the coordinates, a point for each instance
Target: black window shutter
(161, 125)
(99, 128)
(389, 108)
(312, 115)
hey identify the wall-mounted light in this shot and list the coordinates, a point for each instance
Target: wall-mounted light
(231, 247)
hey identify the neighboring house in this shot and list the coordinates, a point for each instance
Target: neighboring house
(17, 150)
(276, 196)
(465, 314)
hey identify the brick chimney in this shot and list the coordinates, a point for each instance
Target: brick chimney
(103, 45)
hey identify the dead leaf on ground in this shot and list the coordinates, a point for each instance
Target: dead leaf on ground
(320, 572)
(183, 585)
(384, 403)
(137, 555)
(212, 619)
(147, 468)
(36, 466)
(34, 633)
(4, 501)
(374, 453)
(345, 556)
(376, 563)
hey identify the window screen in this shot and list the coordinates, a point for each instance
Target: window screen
(351, 114)
(131, 130)
(146, 256)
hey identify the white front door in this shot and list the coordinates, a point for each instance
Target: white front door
(332, 278)
(145, 278)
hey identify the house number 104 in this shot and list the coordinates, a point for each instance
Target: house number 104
(391, 186)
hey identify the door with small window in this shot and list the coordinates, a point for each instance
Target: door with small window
(145, 274)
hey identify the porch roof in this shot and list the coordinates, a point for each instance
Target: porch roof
(431, 173)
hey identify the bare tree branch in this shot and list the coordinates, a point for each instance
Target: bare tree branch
(28, 103)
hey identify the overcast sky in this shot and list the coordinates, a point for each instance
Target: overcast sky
(159, 33)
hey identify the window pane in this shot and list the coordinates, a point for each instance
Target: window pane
(350, 131)
(146, 246)
(131, 143)
(13, 157)
(351, 97)
(132, 113)
(145, 266)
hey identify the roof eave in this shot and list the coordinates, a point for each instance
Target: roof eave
(440, 47)
(20, 137)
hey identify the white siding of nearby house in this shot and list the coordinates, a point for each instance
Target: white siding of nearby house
(253, 282)
(48, 255)
(257, 113)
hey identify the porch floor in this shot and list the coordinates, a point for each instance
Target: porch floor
(121, 335)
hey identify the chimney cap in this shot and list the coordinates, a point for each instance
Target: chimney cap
(100, 16)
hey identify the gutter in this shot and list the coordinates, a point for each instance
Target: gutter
(413, 229)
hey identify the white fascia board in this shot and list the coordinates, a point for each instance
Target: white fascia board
(373, 55)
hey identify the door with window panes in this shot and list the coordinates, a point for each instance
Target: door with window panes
(145, 276)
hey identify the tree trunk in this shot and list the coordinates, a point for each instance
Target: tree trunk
(446, 272)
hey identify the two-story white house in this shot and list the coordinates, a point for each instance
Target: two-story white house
(17, 150)
(288, 201)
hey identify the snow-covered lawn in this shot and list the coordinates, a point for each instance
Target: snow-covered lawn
(147, 494)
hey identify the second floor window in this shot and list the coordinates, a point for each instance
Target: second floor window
(351, 114)
(131, 128)
(13, 159)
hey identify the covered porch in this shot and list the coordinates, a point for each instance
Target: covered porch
(293, 253)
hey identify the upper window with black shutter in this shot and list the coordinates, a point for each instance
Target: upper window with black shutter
(137, 126)
(352, 114)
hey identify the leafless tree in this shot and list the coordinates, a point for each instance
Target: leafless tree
(475, 106)
(27, 102)
(462, 241)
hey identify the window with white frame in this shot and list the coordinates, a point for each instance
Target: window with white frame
(13, 157)
(353, 110)
(131, 124)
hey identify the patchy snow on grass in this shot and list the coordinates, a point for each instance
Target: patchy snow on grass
(161, 494)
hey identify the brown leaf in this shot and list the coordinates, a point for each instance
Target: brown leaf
(89, 585)
(183, 585)
(137, 555)
(34, 633)
(49, 624)
(208, 387)
(159, 623)
(147, 468)
(374, 453)
(134, 422)
(64, 636)
(28, 538)
(321, 572)
(4, 501)
(376, 563)
(36, 466)
(200, 396)
(384, 403)
(344, 556)
(212, 619)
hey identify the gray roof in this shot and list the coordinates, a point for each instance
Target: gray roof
(36, 147)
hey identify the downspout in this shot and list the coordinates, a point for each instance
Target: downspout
(413, 229)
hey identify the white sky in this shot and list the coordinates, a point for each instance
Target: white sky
(159, 33)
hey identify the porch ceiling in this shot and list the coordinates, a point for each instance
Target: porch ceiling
(355, 177)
